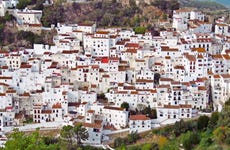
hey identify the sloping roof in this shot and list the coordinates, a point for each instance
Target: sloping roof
(92, 125)
(57, 106)
(114, 108)
(139, 117)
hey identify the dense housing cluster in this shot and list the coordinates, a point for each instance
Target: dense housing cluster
(89, 73)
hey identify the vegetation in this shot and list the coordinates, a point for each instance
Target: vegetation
(53, 14)
(139, 30)
(189, 139)
(167, 6)
(213, 120)
(147, 146)
(3, 21)
(150, 112)
(125, 105)
(202, 122)
(39, 5)
(201, 4)
(23, 3)
(29, 36)
(202, 134)
(130, 139)
(70, 139)
(19, 140)
(105, 14)
(69, 133)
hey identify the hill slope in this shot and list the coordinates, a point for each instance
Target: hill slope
(202, 4)
(105, 13)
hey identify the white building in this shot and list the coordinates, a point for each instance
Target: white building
(139, 123)
(27, 16)
(174, 112)
(115, 116)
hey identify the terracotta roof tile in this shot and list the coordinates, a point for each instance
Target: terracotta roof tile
(92, 125)
(199, 50)
(57, 106)
(139, 117)
(90, 111)
(114, 108)
(46, 111)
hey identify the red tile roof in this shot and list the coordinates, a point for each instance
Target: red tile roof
(46, 111)
(90, 111)
(92, 125)
(139, 117)
(114, 108)
(57, 106)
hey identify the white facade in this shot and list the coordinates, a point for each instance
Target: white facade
(115, 116)
(27, 16)
(174, 112)
(139, 123)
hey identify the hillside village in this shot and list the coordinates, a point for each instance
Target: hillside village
(90, 72)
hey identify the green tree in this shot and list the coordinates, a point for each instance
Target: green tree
(132, 137)
(149, 146)
(180, 127)
(17, 140)
(29, 36)
(148, 111)
(125, 105)
(80, 133)
(8, 17)
(140, 30)
(20, 141)
(190, 139)
(119, 142)
(52, 15)
(22, 4)
(171, 145)
(39, 5)
(67, 134)
(2, 26)
(222, 135)
(202, 122)
(224, 119)
(213, 120)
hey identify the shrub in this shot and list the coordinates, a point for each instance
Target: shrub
(132, 137)
(119, 142)
(140, 30)
(202, 122)
(213, 120)
(222, 135)
(190, 139)
(125, 105)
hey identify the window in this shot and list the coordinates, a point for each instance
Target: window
(95, 130)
